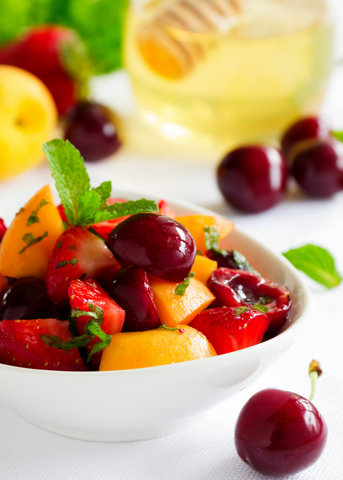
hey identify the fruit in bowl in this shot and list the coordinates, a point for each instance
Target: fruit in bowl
(96, 306)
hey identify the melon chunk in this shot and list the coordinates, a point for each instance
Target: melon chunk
(203, 267)
(28, 242)
(196, 225)
(179, 309)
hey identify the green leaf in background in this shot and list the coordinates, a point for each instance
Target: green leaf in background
(98, 22)
(338, 135)
(317, 263)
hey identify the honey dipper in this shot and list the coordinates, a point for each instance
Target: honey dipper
(164, 43)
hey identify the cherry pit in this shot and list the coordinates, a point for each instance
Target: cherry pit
(253, 178)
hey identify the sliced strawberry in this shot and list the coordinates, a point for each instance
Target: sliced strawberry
(165, 209)
(3, 229)
(231, 328)
(22, 346)
(78, 253)
(81, 294)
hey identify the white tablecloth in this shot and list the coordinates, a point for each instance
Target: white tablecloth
(205, 451)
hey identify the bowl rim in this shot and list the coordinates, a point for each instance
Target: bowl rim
(286, 337)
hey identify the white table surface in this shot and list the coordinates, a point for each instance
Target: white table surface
(205, 451)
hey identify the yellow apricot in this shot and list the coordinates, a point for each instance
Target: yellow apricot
(196, 225)
(27, 245)
(179, 309)
(203, 267)
(150, 348)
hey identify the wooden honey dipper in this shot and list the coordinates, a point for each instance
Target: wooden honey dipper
(164, 43)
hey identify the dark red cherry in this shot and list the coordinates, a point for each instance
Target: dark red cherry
(130, 288)
(229, 259)
(2, 229)
(318, 168)
(253, 178)
(304, 129)
(159, 244)
(92, 129)
(279, 433)
(27, 299)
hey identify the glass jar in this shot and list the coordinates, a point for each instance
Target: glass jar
(211, 74)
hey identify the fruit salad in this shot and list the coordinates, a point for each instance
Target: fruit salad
(104, 283)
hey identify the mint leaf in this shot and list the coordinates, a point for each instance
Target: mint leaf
(181, 287)
(240, 310)
(110, 212)
(76, 342)
(30, 240)
(94, 329)
(69, 172)
(242, 263)
(338, 135)
(33, 215)
(261, 308)
(211, 237)
(84, 206)
(317, 263)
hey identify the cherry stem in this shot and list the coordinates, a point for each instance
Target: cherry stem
(314, 371)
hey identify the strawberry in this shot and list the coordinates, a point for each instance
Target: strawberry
(56, 56)
(165, 209)
(78, 253)
(2, 229)
(21, 345)
(81, 295)
(231, 328)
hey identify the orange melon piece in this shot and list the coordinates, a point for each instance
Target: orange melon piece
(197, 223)
(155, 347)
(179, 309)
(21, 255)
(203, 267)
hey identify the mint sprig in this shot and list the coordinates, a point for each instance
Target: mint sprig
(338, 135)
(92, 329)
(317, 263)
(83, 205)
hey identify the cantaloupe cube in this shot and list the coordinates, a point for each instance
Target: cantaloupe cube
(179, 309)
(203, 267)
(196, 225)
(28, 242)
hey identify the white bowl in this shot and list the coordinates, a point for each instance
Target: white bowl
(151, 402)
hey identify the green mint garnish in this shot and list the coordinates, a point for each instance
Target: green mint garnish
(241, 262)
(92, 329)
(82, 204)
(30, 240)
(317, 263)
(180, 330)
(72, 247)
(73, 261)
(338, 135)
(181, 287)
(240, 310)
(33, 216)
(212, 239)
(59, 244)
(263, 300)
(261, 308)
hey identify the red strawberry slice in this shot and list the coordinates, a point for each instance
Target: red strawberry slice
(50, 53)
(231, 328)
(2, 229)
(234, 288)
(80, 295)
(165, 209)
(78, 253)
(22, 346)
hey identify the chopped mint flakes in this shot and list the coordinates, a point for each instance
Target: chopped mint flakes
(83, 205)
(181, 287)
(30, 240)
(33, 216)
